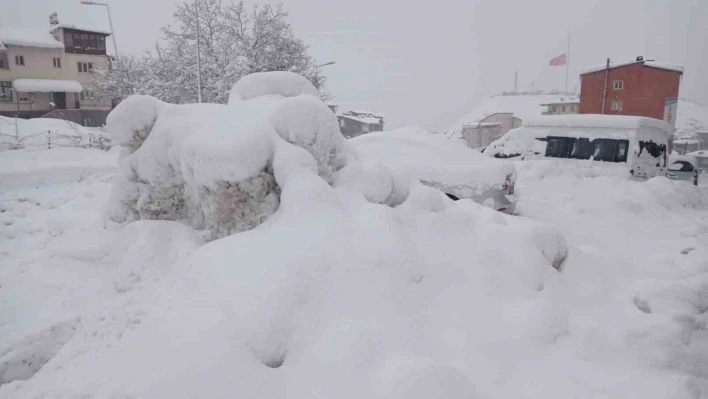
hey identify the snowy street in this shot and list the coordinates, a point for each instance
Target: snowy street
(91, 308)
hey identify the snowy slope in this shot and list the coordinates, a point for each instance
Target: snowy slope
(692, 117)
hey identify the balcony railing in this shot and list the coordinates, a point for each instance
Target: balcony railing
(85, 50)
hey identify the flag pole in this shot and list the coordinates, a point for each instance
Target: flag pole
(567, 65)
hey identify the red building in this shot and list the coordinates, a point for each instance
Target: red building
(639, 88)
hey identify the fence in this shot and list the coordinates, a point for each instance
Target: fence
(53, 139)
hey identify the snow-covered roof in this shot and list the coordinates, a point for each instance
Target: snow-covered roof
(28, 38)
(687, 141)
(522, 106)
(563, 101)
(699, 154)
(2, 46)
(648, 63)
(361, 118)
(46, 85)
(83, 28)
(596, 121)
(483, 124)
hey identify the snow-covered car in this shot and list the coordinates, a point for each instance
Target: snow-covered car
(683, 167)
(445, 164)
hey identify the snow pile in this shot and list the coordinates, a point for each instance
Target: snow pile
(336, 297)
(448, 165)
(46, 85)
(692, 117)
(219, 166)
(286, 84)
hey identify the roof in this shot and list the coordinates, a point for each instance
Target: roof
(699, 154)
(563, 101)
(361, 119)
(686, 141)
(648, 63)
(83, 28)
(521, 105)
(483, 124)
(597, 121)
(28, 38)
(46, 85)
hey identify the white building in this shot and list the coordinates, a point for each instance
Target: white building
(564, 106)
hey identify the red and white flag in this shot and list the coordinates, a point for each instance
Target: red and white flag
(558, 61)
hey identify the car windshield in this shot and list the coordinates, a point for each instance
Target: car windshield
(681, 166)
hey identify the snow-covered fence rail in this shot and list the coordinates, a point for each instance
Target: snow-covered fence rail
(50, 139)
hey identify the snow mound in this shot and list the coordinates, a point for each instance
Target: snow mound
(286, 84)
(216, 166)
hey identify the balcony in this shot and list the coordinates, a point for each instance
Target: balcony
(85, 50)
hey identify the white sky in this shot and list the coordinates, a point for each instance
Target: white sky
(429, 65)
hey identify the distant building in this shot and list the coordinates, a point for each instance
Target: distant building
(639, 88)
(564, 106)
(52, 73)
(357, 122)
(492, 127)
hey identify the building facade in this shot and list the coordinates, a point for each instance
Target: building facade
(562, 107)
(639, 88)
(489, 129)
(358, 122)
(53, 74)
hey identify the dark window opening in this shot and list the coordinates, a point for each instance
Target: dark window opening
(452, 197)
(559, 147)
(681, 166)
(605, 150)
(5, 92)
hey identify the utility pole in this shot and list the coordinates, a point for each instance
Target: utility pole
(604, 88)
(199, 57)
(516, 81)
(567, 65)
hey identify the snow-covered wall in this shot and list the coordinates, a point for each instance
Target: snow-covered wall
(221, 167)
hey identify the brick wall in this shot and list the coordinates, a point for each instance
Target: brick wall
(643, 94)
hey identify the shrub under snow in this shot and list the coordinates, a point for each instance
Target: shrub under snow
(217, 166)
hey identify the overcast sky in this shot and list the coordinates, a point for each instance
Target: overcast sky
(429, 65)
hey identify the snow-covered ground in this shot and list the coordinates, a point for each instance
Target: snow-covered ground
(337, 297)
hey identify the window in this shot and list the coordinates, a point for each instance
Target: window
(563, 108)
(19, 60)
(572, 108)
(681, 166)
(101, 43)
(23, 97)
(616, 106)
(2, 64)
(619, 84)
(87, 95)
(621, 151)
(5, 92)
(85, 66)
(604, 150)
(558, 147)
(582, 149)
(57, 62)
(552, 108)
(365, 128)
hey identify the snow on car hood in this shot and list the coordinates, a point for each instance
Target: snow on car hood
(432, 158)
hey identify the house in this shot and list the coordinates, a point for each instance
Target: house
(357, 122)
(640, 88)
(564, 106)
(483, 132)
(52, 73)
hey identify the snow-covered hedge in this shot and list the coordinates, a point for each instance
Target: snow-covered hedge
(221, 167)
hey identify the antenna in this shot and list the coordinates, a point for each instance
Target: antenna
(516, 81)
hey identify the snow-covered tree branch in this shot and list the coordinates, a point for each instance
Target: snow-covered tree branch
(234, 42)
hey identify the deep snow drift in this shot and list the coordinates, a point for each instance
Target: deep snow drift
(219, 166)
(338, 296)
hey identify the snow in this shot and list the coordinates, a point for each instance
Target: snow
(14, 36)
(44, 132)
(286, 84)
(361, 118)
(654, 64)
(596, 289)
(337, 297)
(564, 101)
(217, 165)
(46, 85)
(416, 154)
(597, 121)
(84, 28)
(701, 153)
(692, 117)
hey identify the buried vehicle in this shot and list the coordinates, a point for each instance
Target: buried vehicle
(683, 167)
(636, 144)
(447, 165)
